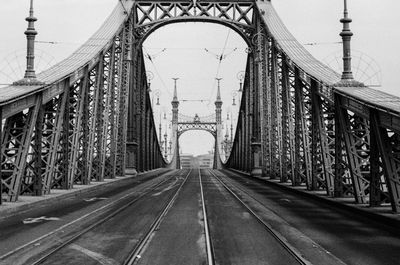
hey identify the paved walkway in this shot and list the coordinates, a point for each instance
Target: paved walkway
(25, 203)
(380, 214)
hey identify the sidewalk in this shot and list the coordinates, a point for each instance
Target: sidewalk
(27, 203)
(383, 214)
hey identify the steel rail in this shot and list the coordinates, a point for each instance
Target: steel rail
(278, 237)
(99, 222)
(209, 249)
(134, 256)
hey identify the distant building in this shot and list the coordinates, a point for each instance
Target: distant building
(201, 161)
(186, 160)
(206, 161)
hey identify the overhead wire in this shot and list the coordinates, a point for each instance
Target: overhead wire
(219, 66)
(148, 56)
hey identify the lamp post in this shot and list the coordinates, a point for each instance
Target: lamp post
(150, 77)
(240, 77)
(346, 35)
(30, 75)
(166, 144)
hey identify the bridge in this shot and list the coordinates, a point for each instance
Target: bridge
(315, 139)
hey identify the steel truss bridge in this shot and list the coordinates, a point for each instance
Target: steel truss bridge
(90, 117)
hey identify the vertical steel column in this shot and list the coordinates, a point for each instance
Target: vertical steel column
(115, 105)
(96, 138)
(125, 144)
(389, 149)
(108, 118)
(147, 149)
(275, 116)
(79, 133)
(322, 177)
(2, 157)
(303, 163)
(250, 107)
(38, 152)
(261, 136)
(52, 166)
(376, 194)
(16, 143)
(288, 146)
(61, 179)
(356, 138)
(259, 102)
(141, 126)
(342, 183)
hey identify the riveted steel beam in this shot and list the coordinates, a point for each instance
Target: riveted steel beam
(386, 144)
(18, 132)
(124, 154)
(356, 134)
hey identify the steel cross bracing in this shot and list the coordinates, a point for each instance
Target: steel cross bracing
(92, 119)
(150, 15)
(187, 123)
(314, 130)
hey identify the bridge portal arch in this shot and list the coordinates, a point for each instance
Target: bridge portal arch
(152, 15)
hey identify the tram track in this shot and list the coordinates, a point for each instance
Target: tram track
(134, 256)
(209, 249)
(45, 257)
(290, 250)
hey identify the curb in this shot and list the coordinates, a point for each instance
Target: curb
(392, 223)
(84, 190)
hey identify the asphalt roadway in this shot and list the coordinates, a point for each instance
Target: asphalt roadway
(195, 217)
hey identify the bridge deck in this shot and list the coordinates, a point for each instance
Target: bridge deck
(237, 238)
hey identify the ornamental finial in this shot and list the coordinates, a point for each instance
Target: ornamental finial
(30, 76)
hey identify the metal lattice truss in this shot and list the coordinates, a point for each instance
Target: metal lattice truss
(313, 132)
(210, 127)
(187, 118)
(297, 123)
(151, 14)
(75, 130)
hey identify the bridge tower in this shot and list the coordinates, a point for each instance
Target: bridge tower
(218, 119)
(175, 111)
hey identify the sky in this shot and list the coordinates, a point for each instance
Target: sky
(178, 50)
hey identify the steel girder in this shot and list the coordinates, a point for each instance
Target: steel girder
(275, 69)
(356, 136)
(149, 15)
(385, 165)
(141, 127)
(17, 140)
(71, 136)
(323, 142)
(240, 158)
(76, 130)
(125, 128)
(288, 172)
(369, 153)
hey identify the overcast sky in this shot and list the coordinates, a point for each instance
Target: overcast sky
(70, 22)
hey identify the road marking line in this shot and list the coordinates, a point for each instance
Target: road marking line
(103, 260)
(172, 185)
(94, 199)
(66, 225)
(39, 219)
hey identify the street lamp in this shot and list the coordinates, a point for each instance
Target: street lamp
(240, 77)
(233, 98)
(150, 77)
(157, 93)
